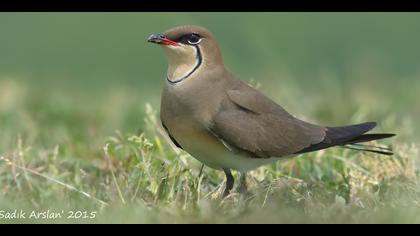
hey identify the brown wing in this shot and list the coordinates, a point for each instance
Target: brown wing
(252, 123)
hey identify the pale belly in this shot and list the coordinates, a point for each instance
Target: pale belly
(209, 150)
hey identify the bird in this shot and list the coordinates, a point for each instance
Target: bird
(227, 124)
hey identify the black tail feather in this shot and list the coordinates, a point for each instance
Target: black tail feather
(350, 136)
(371, 146)
(382, 152)
(369, 137)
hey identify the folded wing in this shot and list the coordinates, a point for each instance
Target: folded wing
(253, 124)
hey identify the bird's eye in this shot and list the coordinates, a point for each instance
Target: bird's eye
(194, 39)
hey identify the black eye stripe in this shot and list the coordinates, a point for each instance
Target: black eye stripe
(191, 38)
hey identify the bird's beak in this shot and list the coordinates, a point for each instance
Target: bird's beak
(161, 39)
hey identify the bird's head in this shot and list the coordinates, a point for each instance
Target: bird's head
(188, 48)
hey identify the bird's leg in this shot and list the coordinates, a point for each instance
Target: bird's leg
(201, 171)
(243, 186)
(229, 182)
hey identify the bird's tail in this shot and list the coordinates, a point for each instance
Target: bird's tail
(355, 144)
(350, 137)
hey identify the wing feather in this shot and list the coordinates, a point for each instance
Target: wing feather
(252, 123)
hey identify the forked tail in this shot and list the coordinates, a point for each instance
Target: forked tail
(355, 144)
(350, 137)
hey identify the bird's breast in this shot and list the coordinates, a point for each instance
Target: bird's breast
(188, 124)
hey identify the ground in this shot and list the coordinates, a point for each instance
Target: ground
(55, 158)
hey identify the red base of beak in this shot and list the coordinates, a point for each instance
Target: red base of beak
(168, 42)
(162, 40)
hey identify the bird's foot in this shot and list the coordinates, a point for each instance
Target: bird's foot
(243, 187)
(229, 183)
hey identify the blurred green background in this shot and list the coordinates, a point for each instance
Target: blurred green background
(69, 81)
(91, 57)
(95, 69)
(92, 48)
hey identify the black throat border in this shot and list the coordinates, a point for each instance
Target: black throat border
(200, 60)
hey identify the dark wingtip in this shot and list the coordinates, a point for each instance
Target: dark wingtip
(370, 137)
(389, 135)
(370, 124)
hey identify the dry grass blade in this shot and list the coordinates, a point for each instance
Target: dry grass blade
(8, 162)
(111, 167)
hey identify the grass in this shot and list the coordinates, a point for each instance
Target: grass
(60, 158)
